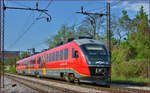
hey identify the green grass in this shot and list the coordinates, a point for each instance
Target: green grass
(131, 80)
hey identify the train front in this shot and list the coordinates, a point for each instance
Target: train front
(98, 60)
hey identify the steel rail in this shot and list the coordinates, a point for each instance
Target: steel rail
(41, 87)
(112, 89)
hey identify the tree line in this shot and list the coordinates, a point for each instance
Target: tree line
(129, 36)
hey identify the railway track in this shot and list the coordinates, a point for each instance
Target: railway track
(40, 87)
(62, 86)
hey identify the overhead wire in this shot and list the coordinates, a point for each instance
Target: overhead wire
(95, 9)
(115, 3)
(20, 4)
(21, 36)
(40, 15)
(78, 24)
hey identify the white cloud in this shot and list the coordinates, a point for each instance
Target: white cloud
(136, 7)
(133, 6)
(119, 4)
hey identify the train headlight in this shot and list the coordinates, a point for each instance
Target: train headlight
(107, 62)
(99, 70)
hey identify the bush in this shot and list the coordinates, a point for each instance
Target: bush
(132, 68)
(11, 70)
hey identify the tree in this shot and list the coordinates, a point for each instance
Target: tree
(23, 55)
(126, 23)
(63, 34)
(133, 52)
(92, 24)
(140, 35)
(10, 61)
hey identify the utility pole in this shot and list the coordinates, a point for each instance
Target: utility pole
(30, 9)
(3, 43)
(107, 24)
(0, 46)
(107, 14)
(149, 56)
(148, 72)
(149, 60)
(109, 39)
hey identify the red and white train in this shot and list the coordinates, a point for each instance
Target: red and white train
(80, 59)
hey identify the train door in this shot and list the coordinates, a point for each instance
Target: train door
(66, 60)
(44, 64)
(29, 67)
(75, 56)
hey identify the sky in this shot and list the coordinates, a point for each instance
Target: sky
(62, 12)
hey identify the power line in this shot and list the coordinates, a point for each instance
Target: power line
(116, 3)
(20, 4)
(46, 7)
(21, 36)
(49, 4)
(95, 9)
(24, 25)
(26, 22)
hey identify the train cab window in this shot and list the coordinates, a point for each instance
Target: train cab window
(57, 55)
(50, 57)
(53, 57)
(66, 54)
(61, 55)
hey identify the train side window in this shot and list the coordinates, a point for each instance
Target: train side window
(57, 55)
(44, 58)
(38, 60)
(72, 52)
(33, 61)
(50, 57)
(66, 54)
(26, 64)
(53, 57)
(47, 57)
(41, 60)
(61, 55)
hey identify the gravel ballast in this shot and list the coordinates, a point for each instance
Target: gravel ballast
(12, 86)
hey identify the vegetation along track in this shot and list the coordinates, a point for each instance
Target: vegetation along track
(63, 87)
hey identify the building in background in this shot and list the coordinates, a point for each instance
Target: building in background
(8, 54)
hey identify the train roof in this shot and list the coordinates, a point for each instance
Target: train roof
(87, 41)
(78, 41)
